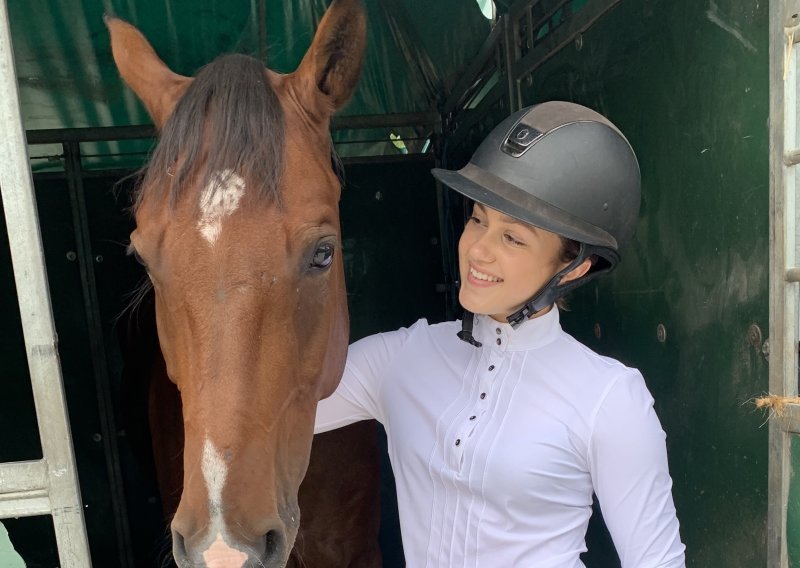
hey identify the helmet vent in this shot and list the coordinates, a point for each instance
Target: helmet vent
(520, 139)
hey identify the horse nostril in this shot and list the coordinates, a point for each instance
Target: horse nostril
(274, 545)
(179, 549)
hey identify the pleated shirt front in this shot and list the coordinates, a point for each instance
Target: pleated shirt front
(496, 450)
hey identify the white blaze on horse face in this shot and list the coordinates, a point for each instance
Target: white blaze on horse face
(215, 471)
(220, 198)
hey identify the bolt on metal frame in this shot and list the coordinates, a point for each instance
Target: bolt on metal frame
(48, 486)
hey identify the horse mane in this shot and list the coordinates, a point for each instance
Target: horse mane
(229, 120)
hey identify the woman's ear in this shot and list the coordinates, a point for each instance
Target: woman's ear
(578, 271)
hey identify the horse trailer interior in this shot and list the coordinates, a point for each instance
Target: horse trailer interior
(705, 303)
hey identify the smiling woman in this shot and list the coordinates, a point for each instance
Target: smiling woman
(499, 441)
(504, 261)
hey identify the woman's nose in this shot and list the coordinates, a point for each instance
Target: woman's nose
(481, 248)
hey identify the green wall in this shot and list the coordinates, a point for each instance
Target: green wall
(687, 82)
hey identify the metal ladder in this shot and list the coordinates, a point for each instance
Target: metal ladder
(48, 486)
(784, 304)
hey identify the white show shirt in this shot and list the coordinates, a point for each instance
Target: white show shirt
(496, 450)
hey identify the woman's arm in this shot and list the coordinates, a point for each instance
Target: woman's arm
(630, 474)
(357, 397)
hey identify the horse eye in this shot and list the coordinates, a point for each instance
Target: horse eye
(323, 256)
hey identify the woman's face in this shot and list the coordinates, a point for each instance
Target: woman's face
(504, 262)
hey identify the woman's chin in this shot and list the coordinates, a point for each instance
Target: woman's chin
(471, 305)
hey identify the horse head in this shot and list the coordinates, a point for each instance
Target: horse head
(237, 224)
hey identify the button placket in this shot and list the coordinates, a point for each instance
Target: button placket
(488, 376)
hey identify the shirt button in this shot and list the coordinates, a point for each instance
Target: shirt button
(498, 331)
(491, 367)
(483, 395)
(458, 442)
(472, 417)
(499, 341)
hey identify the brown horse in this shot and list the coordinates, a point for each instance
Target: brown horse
(237, 224)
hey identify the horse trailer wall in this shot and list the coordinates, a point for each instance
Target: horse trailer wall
(688, 83)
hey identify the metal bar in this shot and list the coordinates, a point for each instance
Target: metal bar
(91, 134)
(86, 174)
(782, 294)
(110, 133)
(23, 476)
(27, 504)
(472, 72)
(25, 243)
(468, 118)
(91, 304)
(385, 120)
(390, 159)
(510, 53)
(561, 37)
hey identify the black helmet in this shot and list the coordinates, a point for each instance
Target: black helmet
(562, 167)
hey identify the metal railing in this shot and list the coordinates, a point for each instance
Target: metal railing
(48, 486)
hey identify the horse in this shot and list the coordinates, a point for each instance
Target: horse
(237, 226)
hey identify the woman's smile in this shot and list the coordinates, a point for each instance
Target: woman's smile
(481, 278)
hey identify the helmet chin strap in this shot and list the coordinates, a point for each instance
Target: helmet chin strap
(467, 321)
(551, 291)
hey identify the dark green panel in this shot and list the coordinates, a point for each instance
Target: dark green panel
(687, 83)
(793, 506)
(393, 262)
(19, 433)
(393, 258)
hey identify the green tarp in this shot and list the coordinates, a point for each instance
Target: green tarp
(67, 77)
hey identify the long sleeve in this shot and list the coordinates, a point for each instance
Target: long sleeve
(357, 397)
(630, 474)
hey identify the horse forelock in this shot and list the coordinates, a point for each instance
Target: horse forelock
(229, 120)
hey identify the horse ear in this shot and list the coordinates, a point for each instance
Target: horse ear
(152, 81)
(332, 65)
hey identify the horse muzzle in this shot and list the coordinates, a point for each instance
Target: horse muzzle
(269, 551)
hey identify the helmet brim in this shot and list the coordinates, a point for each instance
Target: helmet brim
(483, 187)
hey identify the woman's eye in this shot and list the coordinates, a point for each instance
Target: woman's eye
(323, 256)
(512, 240)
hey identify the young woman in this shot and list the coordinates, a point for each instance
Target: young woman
(501, 427)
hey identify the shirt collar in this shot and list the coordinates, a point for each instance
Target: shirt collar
(531, 334)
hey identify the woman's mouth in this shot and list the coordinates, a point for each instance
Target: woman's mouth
(482, 278)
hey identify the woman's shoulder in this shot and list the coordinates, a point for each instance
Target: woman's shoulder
(572, 350)
(420, 330)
